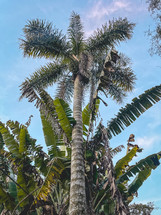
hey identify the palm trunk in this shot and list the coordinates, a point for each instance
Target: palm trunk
(77, 184)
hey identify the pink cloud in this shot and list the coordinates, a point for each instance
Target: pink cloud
(102, 10)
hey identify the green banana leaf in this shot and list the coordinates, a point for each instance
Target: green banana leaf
(64, 116)
(22, 141)
(150, 162)
(51, 139)
(55, 170)
(123, 162)
(6, 199)
(9, 140)
(127, 115)
(86, 116)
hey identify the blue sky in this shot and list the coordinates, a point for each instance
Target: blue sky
(14, 68)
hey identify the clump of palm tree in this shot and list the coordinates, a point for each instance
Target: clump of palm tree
(77, 64)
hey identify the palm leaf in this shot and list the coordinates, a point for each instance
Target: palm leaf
(117, 31)
(43, 41)
(45, 76)
(123, 75)
(123, 162)
(75, 31)
(65, 89)
(131, 112)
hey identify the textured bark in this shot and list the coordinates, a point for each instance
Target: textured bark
(77, 186)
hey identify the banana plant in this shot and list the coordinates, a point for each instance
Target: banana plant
(97, 186)
(39, 174)
(128, 179)
(27, 172)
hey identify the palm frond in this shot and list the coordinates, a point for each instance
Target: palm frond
(131, 112)
(43, 41)
(110, 35)
(116, 77)
(44, 102)
(115, 92)
(65, 89)
(76, 33)
(123, 75)
(45, 76)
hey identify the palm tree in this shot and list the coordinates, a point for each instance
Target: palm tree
(81, 63)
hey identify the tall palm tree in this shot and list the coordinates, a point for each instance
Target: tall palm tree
(77, 64)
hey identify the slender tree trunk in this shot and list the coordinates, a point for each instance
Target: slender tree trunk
(77, 184)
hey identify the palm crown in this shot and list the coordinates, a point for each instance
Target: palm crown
(78, 64)
(75, 55)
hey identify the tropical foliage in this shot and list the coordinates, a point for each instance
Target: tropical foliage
(35, 182)
(28, 174)
(78, 65)
(155, 33)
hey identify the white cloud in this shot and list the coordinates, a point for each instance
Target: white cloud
(147, 142)
(102, 10)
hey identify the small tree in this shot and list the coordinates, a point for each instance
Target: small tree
(155, 8)
(82, 63)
